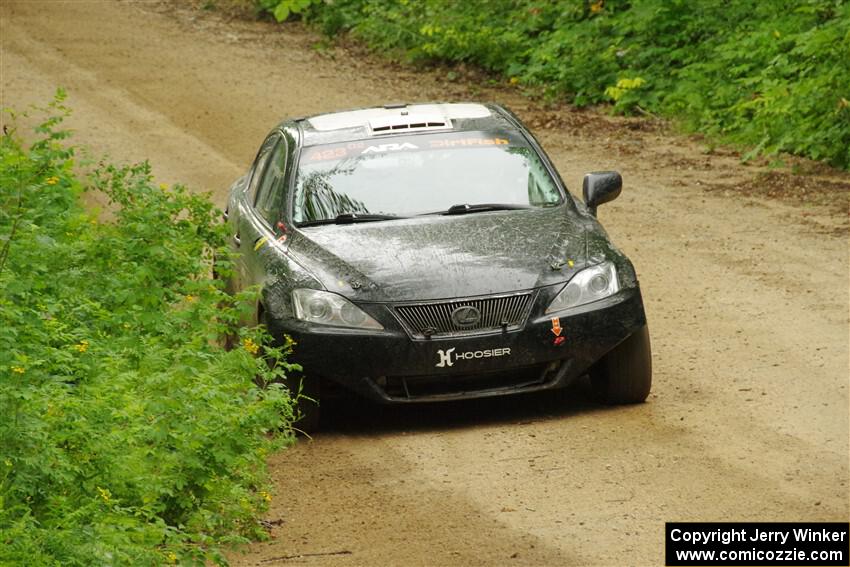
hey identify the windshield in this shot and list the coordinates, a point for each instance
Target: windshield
(413, 175)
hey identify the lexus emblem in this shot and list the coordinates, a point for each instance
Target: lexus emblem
(466, 316)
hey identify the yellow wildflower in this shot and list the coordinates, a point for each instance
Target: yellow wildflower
(190, 298)
(623, 86)
(104, 493)
(266, 496)
(82, 346)
(18, 369)
(52, 180)
(514, 80)
(163, 186)
(596, 7)
(250, 345)
(172, 558)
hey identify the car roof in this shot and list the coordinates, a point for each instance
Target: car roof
(400, 119)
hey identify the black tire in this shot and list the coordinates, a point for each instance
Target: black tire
(305, 392)
(624, 375)
(228, 284)
(229, 341)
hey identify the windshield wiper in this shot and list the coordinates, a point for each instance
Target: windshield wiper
(349, 218)
(466, 208)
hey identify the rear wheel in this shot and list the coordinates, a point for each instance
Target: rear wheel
(230, 339)
(624, 375)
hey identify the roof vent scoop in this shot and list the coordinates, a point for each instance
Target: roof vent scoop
(407, 121)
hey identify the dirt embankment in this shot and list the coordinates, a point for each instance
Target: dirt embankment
(747, 299)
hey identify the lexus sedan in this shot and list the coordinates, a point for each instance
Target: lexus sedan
(430, 252)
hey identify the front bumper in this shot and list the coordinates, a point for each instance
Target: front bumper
(389, 366)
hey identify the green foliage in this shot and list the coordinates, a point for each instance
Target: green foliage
(127, 435)
(774, 74)
(282, 9)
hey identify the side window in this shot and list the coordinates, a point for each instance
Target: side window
(271, 183)
(260, 165)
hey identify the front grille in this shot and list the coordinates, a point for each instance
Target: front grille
(449, 319)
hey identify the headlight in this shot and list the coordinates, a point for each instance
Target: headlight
(589, 285)
(327, 308)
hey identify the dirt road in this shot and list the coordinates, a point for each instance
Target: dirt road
(747, 300)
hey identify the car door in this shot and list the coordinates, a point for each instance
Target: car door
(242, 221)
(263, 210)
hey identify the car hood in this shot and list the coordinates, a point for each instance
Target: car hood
(441, 257)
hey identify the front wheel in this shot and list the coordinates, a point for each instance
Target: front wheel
(305, 391)
(624, 375)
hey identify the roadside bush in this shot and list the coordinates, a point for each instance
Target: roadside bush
(127, 434)
(773, 75)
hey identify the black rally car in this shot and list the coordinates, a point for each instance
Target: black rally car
(432, 252)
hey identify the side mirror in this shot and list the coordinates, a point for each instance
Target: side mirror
(600, 187)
